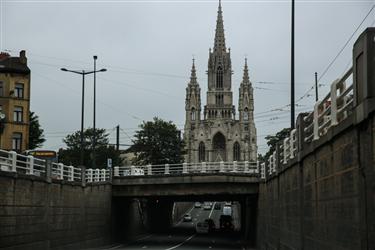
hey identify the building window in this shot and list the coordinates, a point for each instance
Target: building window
(17, 141)
(18, 114)
(236, 152)
(18, 90)
(219, 99)
(193, 115)
(246, 114)
(219, 78)
(201, 152)
(1, 89)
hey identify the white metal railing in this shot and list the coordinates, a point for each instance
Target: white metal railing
(97, 175)
(64, 172)
(243, 167)
(263, 170)
(10, 161)
(331, 110)
(13, 162)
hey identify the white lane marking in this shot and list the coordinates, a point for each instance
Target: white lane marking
(143, 238)
(212, 209)
(176, 246)
(115, 247)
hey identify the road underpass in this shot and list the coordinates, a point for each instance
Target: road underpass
(166, 233)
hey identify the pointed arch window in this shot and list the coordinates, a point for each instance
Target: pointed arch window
(236, 152)
(219, 78)
(246, 114)
(193, 114)
(201, 152)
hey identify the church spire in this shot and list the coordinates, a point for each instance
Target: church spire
(245, 78)
(193, 76)
(219, 34)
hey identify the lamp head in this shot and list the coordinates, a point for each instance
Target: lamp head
(64, 69)
(103, 70)
(95, 57)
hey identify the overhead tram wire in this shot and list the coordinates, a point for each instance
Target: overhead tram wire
(74, 91)
(346, 43)
(157, 92)
(338, 54)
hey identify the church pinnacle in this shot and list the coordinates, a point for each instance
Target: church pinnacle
(219, 34)
(245, 78)
(193, 76)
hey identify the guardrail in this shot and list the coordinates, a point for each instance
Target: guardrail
(10, 161)
(97, 175)
(334, 108)
(245, 167)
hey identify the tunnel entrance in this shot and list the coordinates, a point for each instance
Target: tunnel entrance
(210, 221)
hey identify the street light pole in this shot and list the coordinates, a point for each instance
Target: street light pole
(94, 117)
(82, 118)
(292, 104)
(83, 73)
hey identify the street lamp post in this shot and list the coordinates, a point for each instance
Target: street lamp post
(83, 73)
(94, 118)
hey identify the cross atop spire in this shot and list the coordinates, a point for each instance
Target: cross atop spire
(219, 34)
(193, 76)
(246, 79)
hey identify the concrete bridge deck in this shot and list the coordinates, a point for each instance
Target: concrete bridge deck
(185, 185)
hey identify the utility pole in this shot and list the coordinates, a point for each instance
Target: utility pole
(292, 104)
(118, 137)
(316, 87)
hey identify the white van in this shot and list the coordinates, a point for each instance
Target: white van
(227, 210)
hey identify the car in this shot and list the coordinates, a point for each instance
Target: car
(202, 227)
(207, 206)
(211, 224)
(226, 223)
(217, 206)
(197, 205)
(187, 217)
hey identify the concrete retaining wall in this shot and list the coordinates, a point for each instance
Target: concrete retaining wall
(35, 214)
(326, 198)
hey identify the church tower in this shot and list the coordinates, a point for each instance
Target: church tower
(192, 107)
(219, 94)
(218, 135)
(193, 98)
(246, 113)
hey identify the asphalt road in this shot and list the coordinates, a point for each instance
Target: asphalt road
(183, 236)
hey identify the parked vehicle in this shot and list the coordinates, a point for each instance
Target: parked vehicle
(206, 206)
(187, 217)
(211, 224)
(202, 227)
(226, 223)
(227, 210)
(197, 205)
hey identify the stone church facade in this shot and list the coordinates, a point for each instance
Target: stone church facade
(217, 135)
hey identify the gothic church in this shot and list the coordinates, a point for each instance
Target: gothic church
(219, 136)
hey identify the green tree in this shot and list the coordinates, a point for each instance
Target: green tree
(103, 150)
(272, 141)
(157, 142)
(36, 137)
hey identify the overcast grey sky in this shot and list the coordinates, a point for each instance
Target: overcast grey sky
(147, 47)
